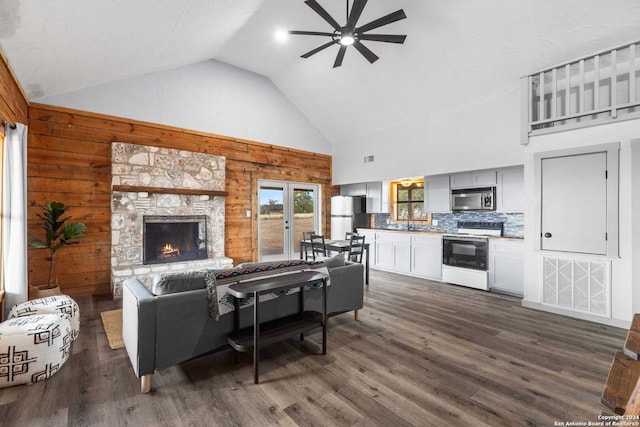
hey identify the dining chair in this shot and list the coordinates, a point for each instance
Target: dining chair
(318, 247)
(356, 248)
(348, 234)
(307, 244)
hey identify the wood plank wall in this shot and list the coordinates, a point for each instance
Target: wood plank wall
(69, 161)
(13, 102)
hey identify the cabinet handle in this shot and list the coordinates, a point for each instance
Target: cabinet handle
(547, 235)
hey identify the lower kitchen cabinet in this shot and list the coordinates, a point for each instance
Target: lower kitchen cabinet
(426, 256)
(393, 251)
(414, 254)
(506, 266)
(370, 238)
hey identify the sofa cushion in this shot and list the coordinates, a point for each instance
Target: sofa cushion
(170, 283)
(334, 261)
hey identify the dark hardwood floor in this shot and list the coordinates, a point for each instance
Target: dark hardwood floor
(422, 354)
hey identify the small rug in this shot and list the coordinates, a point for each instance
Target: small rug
(112, 324)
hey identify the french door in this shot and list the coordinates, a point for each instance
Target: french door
(286, 210)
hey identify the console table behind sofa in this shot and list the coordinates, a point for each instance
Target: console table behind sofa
(160, 331)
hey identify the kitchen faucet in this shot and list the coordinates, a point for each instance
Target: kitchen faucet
(406, 216)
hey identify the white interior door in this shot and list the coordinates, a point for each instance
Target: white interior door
(286, 210)
(574, 203)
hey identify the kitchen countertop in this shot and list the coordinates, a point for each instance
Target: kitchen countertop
(390, 230)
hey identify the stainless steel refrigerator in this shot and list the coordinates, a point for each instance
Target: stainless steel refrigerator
(347, 214)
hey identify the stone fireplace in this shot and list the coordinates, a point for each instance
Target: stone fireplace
(157, 190)
(168, 238)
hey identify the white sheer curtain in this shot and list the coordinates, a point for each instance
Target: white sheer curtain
(14, 222)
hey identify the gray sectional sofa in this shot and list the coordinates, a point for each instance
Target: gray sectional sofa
(172, 323)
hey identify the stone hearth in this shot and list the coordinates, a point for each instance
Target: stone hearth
(147, 166)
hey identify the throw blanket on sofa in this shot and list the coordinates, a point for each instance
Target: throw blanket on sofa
(218, 282)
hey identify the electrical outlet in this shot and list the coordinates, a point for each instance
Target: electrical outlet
(434, 222)
(248, 214)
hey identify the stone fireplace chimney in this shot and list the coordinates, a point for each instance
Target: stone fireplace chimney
(146, 172)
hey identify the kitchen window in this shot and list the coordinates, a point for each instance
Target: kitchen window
(410, 201)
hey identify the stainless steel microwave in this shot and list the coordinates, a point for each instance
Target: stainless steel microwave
(473, 199)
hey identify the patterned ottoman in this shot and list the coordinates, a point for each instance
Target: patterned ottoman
(62, 305)
(33, 348)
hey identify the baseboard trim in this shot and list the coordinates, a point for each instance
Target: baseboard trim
(618, 323)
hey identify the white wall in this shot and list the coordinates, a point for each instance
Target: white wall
(625, 300)
(480, 134)
(208, 96)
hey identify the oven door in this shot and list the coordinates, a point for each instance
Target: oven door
(459, 252)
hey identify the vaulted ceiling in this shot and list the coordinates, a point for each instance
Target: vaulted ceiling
(456, 52)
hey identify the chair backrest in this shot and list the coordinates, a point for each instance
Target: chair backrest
(307, 245)
(318, 247)
(348, 234)
(356, 248)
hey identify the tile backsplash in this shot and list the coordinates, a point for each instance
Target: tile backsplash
(448, 222)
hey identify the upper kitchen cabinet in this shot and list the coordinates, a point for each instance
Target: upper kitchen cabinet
(359, 189)
(374, 197)
(373, 191)
(510, 190)
(437, 193)
(473, 179)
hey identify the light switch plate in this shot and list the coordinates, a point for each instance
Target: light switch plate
(248, 214)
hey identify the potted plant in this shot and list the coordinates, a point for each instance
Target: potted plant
(58, 233)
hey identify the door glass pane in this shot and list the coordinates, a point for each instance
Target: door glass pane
(303, 212)
(271, 221)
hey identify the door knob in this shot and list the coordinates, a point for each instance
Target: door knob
(547, 235)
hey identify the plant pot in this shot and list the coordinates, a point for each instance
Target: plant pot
(42, 291)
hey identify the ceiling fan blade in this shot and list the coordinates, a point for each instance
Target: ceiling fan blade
(387, 19)
(313, 4)
(356, 11)
(389, 38)
(365, 51)
(318, 49)
(340, 56)
(310, 33)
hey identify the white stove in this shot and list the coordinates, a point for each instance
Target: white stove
(465, 254)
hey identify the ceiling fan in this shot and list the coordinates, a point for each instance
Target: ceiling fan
(349, 34)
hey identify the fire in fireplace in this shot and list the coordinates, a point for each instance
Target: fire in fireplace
(174, 238)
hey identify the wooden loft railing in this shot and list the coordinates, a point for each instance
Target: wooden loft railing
(583, 92)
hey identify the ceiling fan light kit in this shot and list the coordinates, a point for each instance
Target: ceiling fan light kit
(349, 34)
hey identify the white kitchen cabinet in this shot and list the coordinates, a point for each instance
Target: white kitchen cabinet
(384, 197)
(506, 266)
(510, 189)
(393, 251)
(370, 238)
(359, 189)
(373, 191)
(414, 254)
(426, 256)
(484, 178)
(437, 193)
(374, 197)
